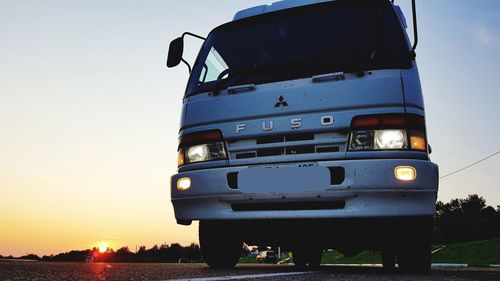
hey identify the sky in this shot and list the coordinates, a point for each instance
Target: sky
(89, 113)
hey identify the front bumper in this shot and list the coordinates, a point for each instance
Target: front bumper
(369, 190)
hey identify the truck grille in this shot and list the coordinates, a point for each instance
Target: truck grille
(289, 144)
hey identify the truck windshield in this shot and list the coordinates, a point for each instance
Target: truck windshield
(348, 36)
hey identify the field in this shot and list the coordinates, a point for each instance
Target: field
(477, 253)
(474, 253)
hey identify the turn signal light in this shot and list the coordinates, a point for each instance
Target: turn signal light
(418, 143)
(180, 157)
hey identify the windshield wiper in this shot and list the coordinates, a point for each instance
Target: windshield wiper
(307, 67)
(237, 75)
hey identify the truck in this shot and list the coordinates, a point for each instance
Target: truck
(306, 118)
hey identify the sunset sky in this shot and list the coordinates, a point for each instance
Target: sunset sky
(89, 113)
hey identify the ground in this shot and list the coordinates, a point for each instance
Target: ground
(19, 270)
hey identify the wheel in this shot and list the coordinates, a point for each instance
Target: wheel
(299, 258)
(415, 253)
(307, 257)
(416, 259)
(219, 249)
(388, 260)
(314, 258)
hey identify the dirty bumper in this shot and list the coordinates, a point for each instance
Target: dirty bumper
(329, 189)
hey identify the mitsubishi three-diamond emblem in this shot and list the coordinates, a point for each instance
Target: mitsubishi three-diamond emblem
(281, 102)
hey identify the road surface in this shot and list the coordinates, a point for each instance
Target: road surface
(24, 270)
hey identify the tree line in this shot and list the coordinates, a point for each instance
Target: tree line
(459, 220)
(466, 219)
(163, 253)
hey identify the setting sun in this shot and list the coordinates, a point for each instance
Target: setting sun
(103, 247)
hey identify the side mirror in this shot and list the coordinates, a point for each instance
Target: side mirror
(175, 52)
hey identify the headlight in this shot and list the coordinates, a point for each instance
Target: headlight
(201, 147)
(361, 140)
(388, 132)
(378, 140)
(197, 153)
(390, 139)
(205, 152)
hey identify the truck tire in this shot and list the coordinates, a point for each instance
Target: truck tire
(415, 254)
(299, 258)
(388, 261)
(314, 258)
(307, 257)
(220, 250)
(416, 259)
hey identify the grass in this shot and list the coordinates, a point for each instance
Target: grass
(475, 253)
(478, 253)
(248, 259)
(334, 257)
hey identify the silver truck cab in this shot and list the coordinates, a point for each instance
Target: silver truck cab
(306, 118)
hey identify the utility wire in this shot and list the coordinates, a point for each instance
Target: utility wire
(468, 166)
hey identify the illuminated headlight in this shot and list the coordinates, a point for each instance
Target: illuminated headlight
(378, 140)
(205, 152)
(390, 139)
(391, 131)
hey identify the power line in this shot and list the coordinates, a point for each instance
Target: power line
(468, 166)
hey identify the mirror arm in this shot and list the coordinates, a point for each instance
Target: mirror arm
(186, 63)
(193, 35)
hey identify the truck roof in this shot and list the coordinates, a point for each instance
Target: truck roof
(276, 6)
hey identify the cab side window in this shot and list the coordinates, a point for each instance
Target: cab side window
(213, 67)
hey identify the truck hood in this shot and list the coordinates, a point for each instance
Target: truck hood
(381, 88)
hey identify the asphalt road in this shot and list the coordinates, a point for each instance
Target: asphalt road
(19, 270)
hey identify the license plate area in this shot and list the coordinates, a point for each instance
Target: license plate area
(300, 177)
(289, 165)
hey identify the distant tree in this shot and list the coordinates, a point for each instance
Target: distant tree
(141, 254)
(30, 257)
(48, 258)
(124, 255)
(193, 252)
(73, 256)
(175, 252)
(164, 253)
(152, 254)
(465, 220)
